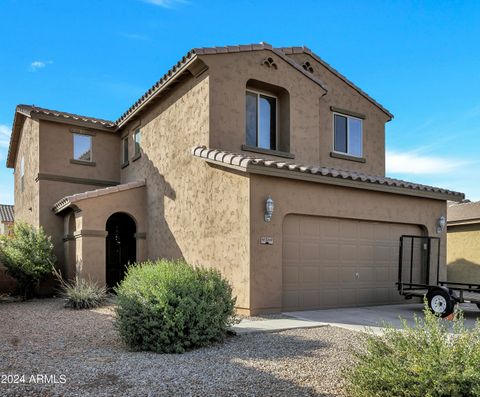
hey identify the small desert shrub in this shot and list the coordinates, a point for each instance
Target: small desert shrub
(28, 256)
(424, 360)
(81, 293)
(170, 307)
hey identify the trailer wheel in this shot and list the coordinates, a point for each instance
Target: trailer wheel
(440, 302)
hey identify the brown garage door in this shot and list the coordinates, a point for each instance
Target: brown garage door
(329, 262)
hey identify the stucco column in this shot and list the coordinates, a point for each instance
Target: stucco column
(91, 255)
(141, 238)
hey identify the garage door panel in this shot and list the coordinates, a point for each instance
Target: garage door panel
(330, 262)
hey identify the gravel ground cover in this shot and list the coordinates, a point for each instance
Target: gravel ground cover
(42, 338)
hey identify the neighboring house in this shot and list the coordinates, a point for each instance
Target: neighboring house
(188, 170)
(7, 284)
(6, 218)
(463, 242)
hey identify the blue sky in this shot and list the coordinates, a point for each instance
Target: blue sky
(421, 60)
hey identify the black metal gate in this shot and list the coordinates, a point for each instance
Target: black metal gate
(419, 262)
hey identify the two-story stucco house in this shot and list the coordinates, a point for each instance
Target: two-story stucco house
(263, 162)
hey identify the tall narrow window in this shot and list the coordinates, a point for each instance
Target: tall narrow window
(22, 174)
(347, 133)
(261, 120)
(125, 150)
(82, 147)
(137, 138)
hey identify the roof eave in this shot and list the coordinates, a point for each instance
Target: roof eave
(162, 87)
(308, 51)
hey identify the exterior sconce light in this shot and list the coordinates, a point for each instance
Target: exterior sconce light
(269, 206)
(442, 222)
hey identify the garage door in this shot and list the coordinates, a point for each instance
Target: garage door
(329, 262)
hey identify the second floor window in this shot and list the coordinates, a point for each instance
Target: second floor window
(261, 120)
(137, 138)
(82, 147)
(125, 150)
(347, 135)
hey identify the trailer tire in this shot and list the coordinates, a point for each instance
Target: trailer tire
(440, 302)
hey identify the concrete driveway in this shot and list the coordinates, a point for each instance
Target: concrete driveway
(372, 317)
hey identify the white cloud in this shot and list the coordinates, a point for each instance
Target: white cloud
(415, 163)
(35, 65)
(135, 36)
(5, 132)
(166, 3)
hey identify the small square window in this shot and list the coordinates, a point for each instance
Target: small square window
(82, 147)
(125, 150)
(137, 138)
(347, 135)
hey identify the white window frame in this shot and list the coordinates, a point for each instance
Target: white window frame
(268, 94)
(91, 147)
(22, 174)
(348, 134)
(135, 132)
(125, 140)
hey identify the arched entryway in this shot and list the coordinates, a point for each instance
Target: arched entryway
(121, 247)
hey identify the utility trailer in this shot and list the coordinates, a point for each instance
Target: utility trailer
(419, 276)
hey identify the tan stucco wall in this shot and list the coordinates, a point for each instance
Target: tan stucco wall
(195, 211)
(56, 151)
(299, 197)
(463, 253)
(27, 202)
(311, 120)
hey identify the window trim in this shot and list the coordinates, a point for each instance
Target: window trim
(79, 161)
(125, 160)
(22, 174)
(270, 95)
(136, 155)
(348, 135)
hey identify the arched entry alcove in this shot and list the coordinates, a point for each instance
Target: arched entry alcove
(120, 247)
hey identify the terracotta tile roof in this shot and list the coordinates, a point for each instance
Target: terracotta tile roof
(246, 162)
(32, 109)
(68, 200)
(190, 56)
(7, 213)
(306, 50)
(464, 212)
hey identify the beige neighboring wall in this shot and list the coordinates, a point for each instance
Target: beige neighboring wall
(463, 253)
(27, 202)
(196, 212)
(311, 120)
(299, 197)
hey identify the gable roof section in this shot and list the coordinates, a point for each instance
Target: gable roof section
(67, 201)
(191, 56)
(463, 213)
(321, 174)
(24, 111)
(308, 51)
(7, 213)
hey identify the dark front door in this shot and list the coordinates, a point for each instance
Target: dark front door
(121, 247)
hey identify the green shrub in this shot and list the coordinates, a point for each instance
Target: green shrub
(170, 307)
(28, 256)
(433, 358)
(81, 293)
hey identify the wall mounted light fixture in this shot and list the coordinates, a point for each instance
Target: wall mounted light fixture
(442, 222)
(269, 206)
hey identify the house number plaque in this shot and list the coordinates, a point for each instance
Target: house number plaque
(267, 240)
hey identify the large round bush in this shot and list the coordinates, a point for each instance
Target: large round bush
(170, 307)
